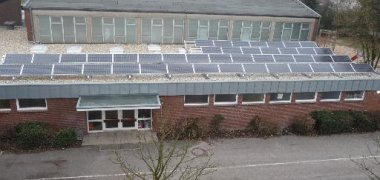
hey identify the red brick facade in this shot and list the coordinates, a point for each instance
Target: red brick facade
(10, 10)
(62, 112)
(238, 116)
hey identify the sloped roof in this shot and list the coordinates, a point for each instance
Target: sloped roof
(277, 8)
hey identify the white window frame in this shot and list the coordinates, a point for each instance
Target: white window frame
(332, 100)
(31, 108)
(225, 103)
(307, 100)
(6, 109)
(196, 104)
(354, 99)
(94, 120)
(253, 102)
(281, 102)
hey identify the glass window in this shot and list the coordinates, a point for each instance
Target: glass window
(278, 31)
(32, 103)
(225, 99)
(280, 97)
(296, 31)
(111, 115)
(256, 31)
(45, 31)
(131, 30)
(94, 115)
(236, 30)
(68, 27)
(146, 30)
(354, 95)
(95, 126)
(253, 98)
(330, 96)
(193, 29)
(305, 97)
(5, 104)
(304, 36)
(128, 114)
(168, 31)
(196, 99)
(97, 30)
(144, 113)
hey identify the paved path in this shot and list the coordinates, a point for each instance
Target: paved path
(287, 157)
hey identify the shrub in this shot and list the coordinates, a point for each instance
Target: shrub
(301, 126)
(262, 128)
(215, 124)
(332, 122)
(32, 135)
(374, 117)
(64, 138)
(362, 122)
(254, 124)
(190, 128)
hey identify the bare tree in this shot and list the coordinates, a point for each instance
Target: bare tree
(370, 164)
(166, 159)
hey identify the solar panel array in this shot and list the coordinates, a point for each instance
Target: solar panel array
(218, 57)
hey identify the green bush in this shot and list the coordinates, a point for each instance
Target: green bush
(32, 135)
(254, 124)
(374, 117)
(300, 127)
(332, 122)
(362, 122)
(215, 124)
(64, 138)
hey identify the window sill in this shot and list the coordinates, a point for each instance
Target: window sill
(225, 104)
(353, 100)
(330, 100)
(306, 102)
(253, 103)
(5, 110)
(280, 102)
(196, 105)
(32, 110)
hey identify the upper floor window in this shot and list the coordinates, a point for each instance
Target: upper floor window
(305, 97)
(354, 96)
(253, 98)
(196, 100)
(280, 97)
(31, 104)
(225, 99)
(5, 105)
(330, 96)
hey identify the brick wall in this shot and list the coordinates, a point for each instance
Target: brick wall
(28, 25)
(60, 113)
(238, 116)
(10, 10)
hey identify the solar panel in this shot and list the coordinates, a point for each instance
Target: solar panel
(97, 69)
(206, 68)
(220, 58)
(306, 50)
(308, 44)
(73, 58)
(277, 44)
(288, 51)
(323, 51)
(211, 49)
(231, 50)
(180, 68)
(150, 58)
(153, 69)
(283, 58)
(10, 70)
(263, 58)
(270, 50)
(278, 68)
(321, 58)
(251, 50)
(46, 58)
(292, 44)
(222, 43)
(174, 58)
(200, 43)
(362, 67)
(255, 68)
(99, 57)
(18, 58)
(128, 58)
(240, 43)
(67, 69)
(258, 44)
(242, 58)
(41, 69)
(342, 67)
(341, 58)
(303, 58)
(231, 68)
(126, 69)
(300, 68)
(321, 67)
(197, 58)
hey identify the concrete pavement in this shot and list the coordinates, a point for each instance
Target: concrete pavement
(286, 157)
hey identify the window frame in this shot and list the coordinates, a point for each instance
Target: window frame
(31, 108)
(6, 109)
(307, 100)
(253, 102)
(281, 102)
(225, 103)
(196, 104)
(354, 99)
(331, 100)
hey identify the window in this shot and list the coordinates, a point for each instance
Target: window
(196, 100)
(208, 29)
(5, 105)
(330, 96)
(280, 97)
(31, 104)
(354, 96)
(224, 99)
(291, 31)
(162, 30)
(95, 121)
(306, 97)
(253, 98)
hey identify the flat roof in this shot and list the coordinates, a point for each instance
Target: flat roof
(276, 8)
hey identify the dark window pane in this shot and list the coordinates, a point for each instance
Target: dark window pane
(94, 115)
(332, 95)
(280, 97)
(5, 104)
(196, 99)
(253, 97)
(225, 98)
(354, 94)
(111, 115)
(128, 114)
(95, 126)
(144, 113)
(305, 96)
(32, 103)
